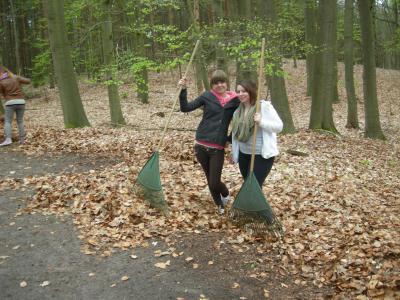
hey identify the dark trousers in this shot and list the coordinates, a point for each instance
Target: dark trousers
(262, 166)
(212, 161)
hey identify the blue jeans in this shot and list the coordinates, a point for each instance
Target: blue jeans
(19, 110)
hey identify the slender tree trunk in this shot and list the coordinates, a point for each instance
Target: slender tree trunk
(277, 83)
(324, 68)
(108, 54)
(372, 121)
(335, 98)
(201, 70)
(45, 35)
(74, 113)
(140, 72)
(8, 47)
(16, 38)
(221, 59)
(244, 70)
(141, 75)
(352, 115)
(310, 31)
(197, 63)
(397, 28)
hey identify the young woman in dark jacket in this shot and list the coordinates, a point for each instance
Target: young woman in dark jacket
(211, 135)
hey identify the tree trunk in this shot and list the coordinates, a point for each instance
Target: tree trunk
(74, 113)
(310, 31)
(45, 35)
(16, 38)
(277, 83)
(197, 63)
(7, 45)
(201, 70)
(352, 115)
(324, 69)
(244, 70)
(221, 59)
(108, 54)
(372, 121)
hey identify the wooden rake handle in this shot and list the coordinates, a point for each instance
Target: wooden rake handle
(177, 97)
(260, 81)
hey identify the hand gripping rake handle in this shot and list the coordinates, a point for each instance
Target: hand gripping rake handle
(177, 96)
(260, 81)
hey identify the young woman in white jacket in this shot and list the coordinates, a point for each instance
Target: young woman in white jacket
(244, 119)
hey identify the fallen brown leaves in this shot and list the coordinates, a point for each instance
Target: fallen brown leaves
(339, 205)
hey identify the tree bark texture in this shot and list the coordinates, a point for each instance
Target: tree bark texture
(108, 54)
(324, 69)
(73, 111)
(372, 121)
(352, 115)
(310, 31)
(277, 83)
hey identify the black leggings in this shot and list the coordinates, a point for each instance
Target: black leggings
(212, 161)
(262, 166)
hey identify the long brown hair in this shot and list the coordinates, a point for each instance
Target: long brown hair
(250, 87)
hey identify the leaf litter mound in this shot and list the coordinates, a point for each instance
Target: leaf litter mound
(339, 204)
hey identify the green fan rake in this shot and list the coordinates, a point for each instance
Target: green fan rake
(250, 209)
(148, 183)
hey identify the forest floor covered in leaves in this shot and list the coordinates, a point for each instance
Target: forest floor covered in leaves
(339, 204)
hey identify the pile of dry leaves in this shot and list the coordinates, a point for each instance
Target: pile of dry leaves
(339, 204)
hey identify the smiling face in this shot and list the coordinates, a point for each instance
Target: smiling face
(220, 87)
(243, 95)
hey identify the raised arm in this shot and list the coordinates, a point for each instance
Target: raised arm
(189, 106)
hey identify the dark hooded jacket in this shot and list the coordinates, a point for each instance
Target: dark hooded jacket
(214, 125)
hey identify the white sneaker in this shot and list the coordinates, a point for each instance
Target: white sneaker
(221, 210)
(225, 200)
(6, 142)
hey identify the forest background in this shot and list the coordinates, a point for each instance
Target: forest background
(331, 70)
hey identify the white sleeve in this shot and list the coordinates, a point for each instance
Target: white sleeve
(270, 120)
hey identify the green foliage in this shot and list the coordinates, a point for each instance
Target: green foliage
(170, 41)
(42, 63)
(366, 162)
(124, 95)
(283, 40)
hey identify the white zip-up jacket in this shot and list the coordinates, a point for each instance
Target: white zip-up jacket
(270, 125)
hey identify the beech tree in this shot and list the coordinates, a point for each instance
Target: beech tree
(71, 103)
(324, 69)
(310, 32)
(372, 121)
(352, 116)
(109, 61)
(276, 81)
